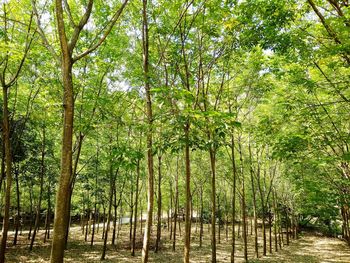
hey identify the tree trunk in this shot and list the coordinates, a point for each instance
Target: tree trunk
(213, 204)
(48, 215)
(31, 210)
(275, 219)
(95, 220)
(287, 227)
(159, 203)
(63, 190)
(18, 200)
(188, 196)
(8, 168)
(254, 204)
(270, 231)
(201, 218)
(150, 192)
(131, 212)
(219, 219)
(244, 215)
(115, 213)
(234, 175)
(104, 223)
(111, 192)
(42, 174)
(176, 202)
(136, 206)
(2, 176)
(170, 213)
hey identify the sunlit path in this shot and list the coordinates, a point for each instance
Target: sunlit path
(312, 249)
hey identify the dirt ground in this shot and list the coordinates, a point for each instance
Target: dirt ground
(308, 248)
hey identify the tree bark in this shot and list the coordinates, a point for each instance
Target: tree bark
(42, 174)
(254, 204)
(62, 195)
(201, 217)
(18, 200)
(159, 203)
(48, 215)
(213, 204)
(136, 206)
(244, 215)
(105, 238)
(150, 190)
(176, 202)
(234, 175)
(188, 195)
(8, 168)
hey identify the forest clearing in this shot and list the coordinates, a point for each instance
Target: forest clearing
(175, 131)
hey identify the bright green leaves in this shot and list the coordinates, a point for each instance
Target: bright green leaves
(346, 157)
(266, 23)
(290, 146)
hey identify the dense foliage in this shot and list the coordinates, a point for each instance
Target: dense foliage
(242, 106)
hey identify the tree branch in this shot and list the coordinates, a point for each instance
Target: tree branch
(77, 28)
(110, 25)
(29, 40)
(42, 34)
(69, 13)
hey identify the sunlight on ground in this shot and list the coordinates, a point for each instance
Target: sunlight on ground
(307, 249)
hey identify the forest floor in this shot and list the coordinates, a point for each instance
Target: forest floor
(308, 248)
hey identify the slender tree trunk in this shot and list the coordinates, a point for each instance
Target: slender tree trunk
(219, 219)
(244, 215)
(170, 214)
(8, 168)
(104, 223)
(136, 206)
(95, 202)
(31, 210)
(159, 203)
(234, 175)
(256, 246)
(94, 224)
(115, 213)
(213, 205)
(263, 208)
(131, 212)
(188, 196)
(98, 219)
(176, 202)
(48, 215)
(287, 227)
(270, 231)
(2, 176)
(281, 230)
(71, 187)
(201, 218)
(42, 174)
(264, 228)
(239, 226)
(108, 221)
(226, 218)
(18, 200)
(275, 219)
(141, 217)
(150, 192)
(87, 221)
